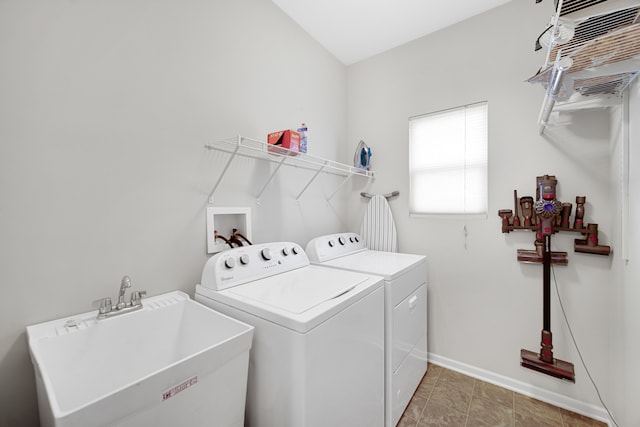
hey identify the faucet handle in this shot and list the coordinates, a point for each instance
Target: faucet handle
(103, 305)
(136, 297)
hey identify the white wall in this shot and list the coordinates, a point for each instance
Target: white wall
(484, 306)
(624, 309)
(105, 107)
(629, 347)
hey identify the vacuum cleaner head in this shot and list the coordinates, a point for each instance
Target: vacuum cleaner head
(559, 368)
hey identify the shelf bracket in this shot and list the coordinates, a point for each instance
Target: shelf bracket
(312, 179)
(224, 170)
(339, 187)
(266, 184)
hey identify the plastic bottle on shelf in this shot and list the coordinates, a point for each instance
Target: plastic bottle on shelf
(303, 131)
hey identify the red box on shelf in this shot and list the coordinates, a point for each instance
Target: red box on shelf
(288, 139)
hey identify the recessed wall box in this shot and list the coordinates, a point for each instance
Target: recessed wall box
(224, 220)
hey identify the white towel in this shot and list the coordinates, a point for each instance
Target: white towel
(378, 228)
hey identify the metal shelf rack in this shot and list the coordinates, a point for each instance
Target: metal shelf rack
(247, 147)
(593, 55)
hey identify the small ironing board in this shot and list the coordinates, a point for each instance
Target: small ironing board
(378, 228)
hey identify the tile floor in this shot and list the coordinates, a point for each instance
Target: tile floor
(448, 398)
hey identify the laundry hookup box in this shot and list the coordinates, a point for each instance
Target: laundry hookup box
(288, 139)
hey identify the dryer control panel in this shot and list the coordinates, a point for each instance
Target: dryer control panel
(248, 263)
(325, 248)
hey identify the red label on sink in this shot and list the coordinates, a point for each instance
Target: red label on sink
(180, 387)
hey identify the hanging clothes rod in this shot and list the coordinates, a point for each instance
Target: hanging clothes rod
(388, 195)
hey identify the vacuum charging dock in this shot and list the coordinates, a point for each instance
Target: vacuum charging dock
(546, 216)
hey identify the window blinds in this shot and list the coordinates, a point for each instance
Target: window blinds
(448, 161)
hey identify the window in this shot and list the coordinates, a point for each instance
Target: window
(448, 161)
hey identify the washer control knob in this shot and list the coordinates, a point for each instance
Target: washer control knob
(285, 251)
(244, 259)
(230, 262)
(295, 250)
(351, 239)
(356, 239)
(331, 243)
(342, 241)
(266, 254)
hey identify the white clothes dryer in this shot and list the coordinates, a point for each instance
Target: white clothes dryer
(317, 357)
(405, 290)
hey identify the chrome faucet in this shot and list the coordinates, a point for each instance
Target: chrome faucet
(105, 309)
(124, 284)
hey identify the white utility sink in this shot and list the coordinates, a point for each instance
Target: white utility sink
(174, 362)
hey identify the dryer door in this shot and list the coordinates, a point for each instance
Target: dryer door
(409, 324)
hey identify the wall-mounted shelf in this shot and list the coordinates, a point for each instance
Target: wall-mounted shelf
(247, 147)
(593, 55)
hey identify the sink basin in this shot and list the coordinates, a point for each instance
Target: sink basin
(174, 362)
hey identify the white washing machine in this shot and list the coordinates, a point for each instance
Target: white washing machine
(405, 290)
(317, 357)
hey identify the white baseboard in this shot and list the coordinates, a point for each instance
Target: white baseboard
(568, 403)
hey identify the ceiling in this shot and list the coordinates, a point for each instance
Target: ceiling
(354, 30)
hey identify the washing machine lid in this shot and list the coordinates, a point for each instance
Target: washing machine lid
(295, 294)
(389, 265)
(300, 299)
